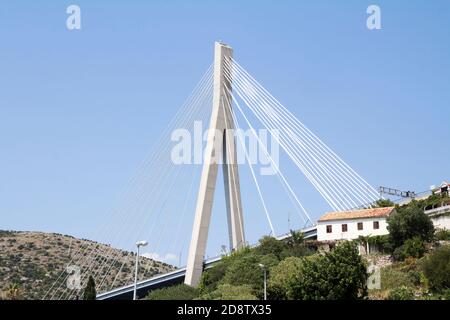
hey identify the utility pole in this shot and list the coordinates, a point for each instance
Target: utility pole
(138, 245)
(289, 220)
(263, 267)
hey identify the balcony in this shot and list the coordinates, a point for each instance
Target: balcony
(438, 210)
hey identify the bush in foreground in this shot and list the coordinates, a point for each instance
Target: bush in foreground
(442, 234)
(339, 274)
(392, 278)
(436, 268)
(401, 293)
(412, 248)
(229, 292)
(177, 292)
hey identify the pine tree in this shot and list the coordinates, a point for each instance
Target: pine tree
(89, 291)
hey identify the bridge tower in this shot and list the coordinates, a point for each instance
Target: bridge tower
(220, 142)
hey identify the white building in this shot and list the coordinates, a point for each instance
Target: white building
(439, 212)
(349, 225)
(443, 189)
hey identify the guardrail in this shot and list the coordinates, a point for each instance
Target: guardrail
(438, 210)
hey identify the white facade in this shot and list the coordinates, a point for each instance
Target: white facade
(440, 215)
(352, 228)
(441, 221)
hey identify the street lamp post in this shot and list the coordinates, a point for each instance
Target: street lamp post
(265, 280)
(138, 245)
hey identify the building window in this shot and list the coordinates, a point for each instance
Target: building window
(344, 227)
(329, 228)
(376, 225)
(360, 225)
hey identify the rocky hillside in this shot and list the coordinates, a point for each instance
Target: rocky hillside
(33, 264)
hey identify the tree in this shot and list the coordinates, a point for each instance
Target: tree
(229, 292)
(177, 292)
(296, 246)
(270, 245)
(364, 241)
(297, 238)
(383, 203)
(245, 271)
(283, 278)
(407, 223)
(339, 274)
(89, 291)
(211, 277)
(241, 268)
(412, 248)
(436, 269)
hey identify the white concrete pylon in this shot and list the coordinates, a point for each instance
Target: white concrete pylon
(220, 141)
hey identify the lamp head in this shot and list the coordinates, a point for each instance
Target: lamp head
(142, 243)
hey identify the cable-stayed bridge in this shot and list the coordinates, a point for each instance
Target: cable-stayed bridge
(179, 178)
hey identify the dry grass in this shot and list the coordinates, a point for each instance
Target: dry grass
(36, 260)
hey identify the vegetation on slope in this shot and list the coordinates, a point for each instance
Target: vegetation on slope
(31, 262)
(421, 279)
(417, 266)
(296, 270)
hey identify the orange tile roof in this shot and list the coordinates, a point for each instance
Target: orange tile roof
(356, 214)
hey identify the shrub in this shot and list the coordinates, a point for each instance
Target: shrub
(212, 277)
(436, 269)
(442, 234)
(13, 292)
(401, 293)
(6, 233)
(415, 277)
(414, 247)
(178, 292)
(392, 278)
(381, 242)
(230, 292)
(399, 254)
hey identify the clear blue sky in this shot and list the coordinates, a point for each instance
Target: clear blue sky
(80, 109)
